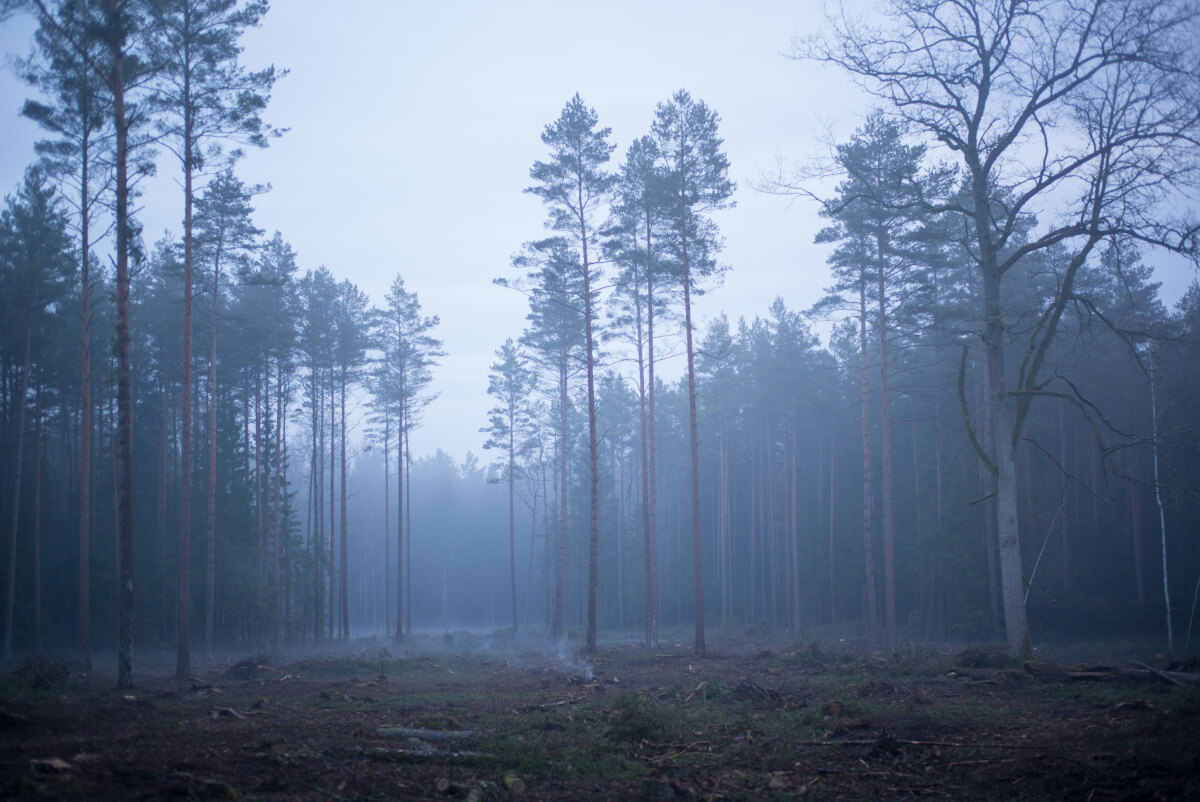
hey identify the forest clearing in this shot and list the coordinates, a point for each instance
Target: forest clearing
(477, 718)
(490, 401)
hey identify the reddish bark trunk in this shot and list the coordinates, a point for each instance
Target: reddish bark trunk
(593, 460)
(872, 611)
(694, 443)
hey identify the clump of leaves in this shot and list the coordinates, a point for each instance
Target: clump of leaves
(634, 719)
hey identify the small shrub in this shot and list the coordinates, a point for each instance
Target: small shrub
(603, 764)
(514, 753)
(717, 689)
(41, 674)
(635, 720)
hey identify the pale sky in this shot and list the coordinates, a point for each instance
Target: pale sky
(414, 125)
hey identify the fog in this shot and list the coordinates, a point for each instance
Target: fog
(873, 392)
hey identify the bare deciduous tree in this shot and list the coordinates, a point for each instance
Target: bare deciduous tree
(1081, 114)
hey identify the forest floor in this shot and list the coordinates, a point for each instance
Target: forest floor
(472, 721)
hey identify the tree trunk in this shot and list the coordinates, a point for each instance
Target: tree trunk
(15, 491)
(162, 475)
(620, 540)
(885, 430)
(512, 531)
(1012, 582)
(85, 420)
(408, 527)
(183, 625)
(277, 500)
(754, 525)
(345, 572)
(37, 518)
(723, 522)
(333, 589)
(694, 443)
(593, 459)
(832, 527)
(651, 466)
(558, 631)
(316, 493)
(124, 375)
(1135, 513)
(643, 443)
(872, 611)
(387, 520)
(794, 532)
(210, 537)
(1066, 532)
(259, 532)
(772, 530)
(401, 425)
(1162, 515)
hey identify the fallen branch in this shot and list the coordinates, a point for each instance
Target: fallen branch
(218, 712)
(816, 662)
(570, 700)
(429, 735)
(906, 742)
(1102, 673)
(986, 674)
(1160, 674)
(421, 752)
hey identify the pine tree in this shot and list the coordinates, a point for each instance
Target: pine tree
(574, 187)
(223, 233)
(352, 338)
(204, 97)
(35, 268)
(696, 176)
(109, 42)
(77, 120)
(409, 352)
(510, 381)
(635, 245)
(556, 336)
(878, 213)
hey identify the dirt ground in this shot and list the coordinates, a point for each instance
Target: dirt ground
(475, 718)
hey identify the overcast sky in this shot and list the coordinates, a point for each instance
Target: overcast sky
(413, 127)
